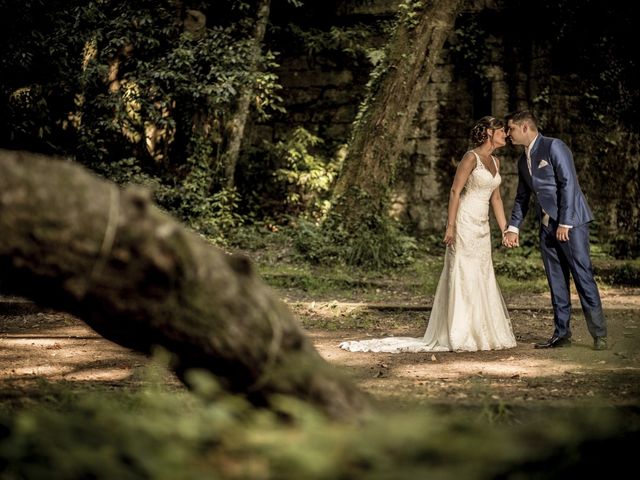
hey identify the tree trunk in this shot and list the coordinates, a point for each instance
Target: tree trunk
(74, 242)
(378, 137)
(238, 121)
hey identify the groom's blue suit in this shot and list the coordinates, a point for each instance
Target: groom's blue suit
(554, 183)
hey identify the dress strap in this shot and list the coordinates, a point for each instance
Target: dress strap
(477, 156)
(495, 162)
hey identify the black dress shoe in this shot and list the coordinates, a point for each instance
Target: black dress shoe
(554, 342)
(600, 343)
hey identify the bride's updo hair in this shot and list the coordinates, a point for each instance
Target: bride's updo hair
(480, 131)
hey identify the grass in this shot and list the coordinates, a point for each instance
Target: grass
(519, 271)
(419, 280)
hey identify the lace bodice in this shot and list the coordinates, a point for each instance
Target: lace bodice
(481, 182)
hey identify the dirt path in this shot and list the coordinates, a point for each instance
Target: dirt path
(523, 375)
(41, 344)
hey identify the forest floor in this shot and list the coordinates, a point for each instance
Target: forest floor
(39, 345)
(521, 376)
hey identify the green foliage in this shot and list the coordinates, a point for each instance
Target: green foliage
(311, 283)
(288, 179)
(626, 244)
(371, 242)
(427, 270)
(317, 245)
(542, 101)
(350, 41)
(259, 238)
(127, 171)
(212, 214)
(618, 273)
(377, 242)
(518, 268)
(307, 175)
(113, 436)
(125, 89)
(216, 214)
(156, 434)
(267, 88)
(409, 12)
(627, 274)
(188, 84)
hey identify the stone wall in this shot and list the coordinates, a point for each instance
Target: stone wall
(500, 69)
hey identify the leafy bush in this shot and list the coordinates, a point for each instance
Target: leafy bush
(518, 268)
(619, 273)
(373, 243)
(307, 175)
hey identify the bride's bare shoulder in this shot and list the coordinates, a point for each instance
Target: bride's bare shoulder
(469, 158)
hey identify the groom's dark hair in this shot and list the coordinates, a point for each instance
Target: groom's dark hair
(523, 116)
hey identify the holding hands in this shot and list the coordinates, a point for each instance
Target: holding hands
(510, 239)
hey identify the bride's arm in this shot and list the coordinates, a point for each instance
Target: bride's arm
(498, 208)
(465, 167)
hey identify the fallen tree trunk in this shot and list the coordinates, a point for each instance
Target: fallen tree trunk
(72, 241)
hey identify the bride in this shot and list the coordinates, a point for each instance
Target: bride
(468, 311)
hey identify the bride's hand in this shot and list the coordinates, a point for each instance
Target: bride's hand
(449, 235)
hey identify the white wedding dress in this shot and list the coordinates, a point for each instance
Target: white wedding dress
(468, 311)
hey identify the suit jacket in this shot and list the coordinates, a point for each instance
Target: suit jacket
(554, 183)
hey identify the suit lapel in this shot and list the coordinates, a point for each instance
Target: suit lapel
(535, 159)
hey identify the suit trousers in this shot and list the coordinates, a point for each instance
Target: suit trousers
(572, 258)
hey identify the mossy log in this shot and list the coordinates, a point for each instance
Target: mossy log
(78, 243)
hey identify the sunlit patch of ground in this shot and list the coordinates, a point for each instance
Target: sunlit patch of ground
(58, 347)
(71, 351)
(574, 375)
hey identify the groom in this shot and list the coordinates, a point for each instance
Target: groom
(546, 170)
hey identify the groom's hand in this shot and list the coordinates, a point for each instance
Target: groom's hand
(562, 234)
(510, 239)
